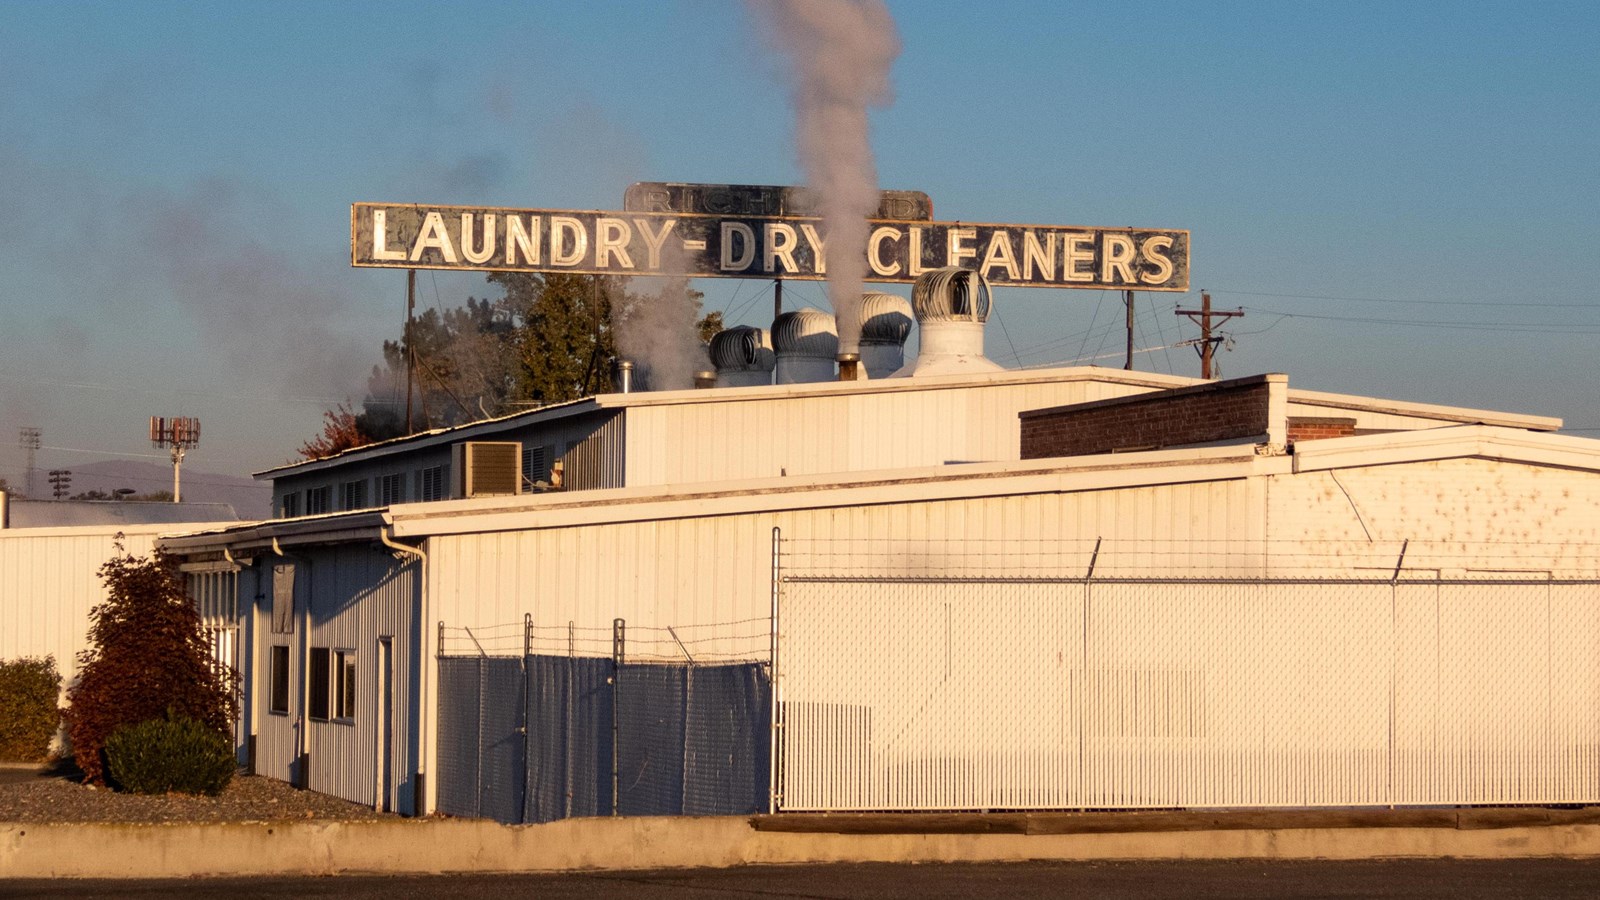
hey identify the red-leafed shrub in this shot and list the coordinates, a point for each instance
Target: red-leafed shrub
(147, 659)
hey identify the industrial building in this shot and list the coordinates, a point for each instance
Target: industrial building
(961, 588)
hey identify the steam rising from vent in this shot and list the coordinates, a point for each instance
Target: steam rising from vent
(658, 333)
(840, 52)
(656, 329)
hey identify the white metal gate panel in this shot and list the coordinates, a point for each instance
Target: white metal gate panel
(994, 694)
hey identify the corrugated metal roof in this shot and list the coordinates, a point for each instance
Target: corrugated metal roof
(68, 513)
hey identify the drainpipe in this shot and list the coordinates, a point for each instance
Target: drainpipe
(422, 802)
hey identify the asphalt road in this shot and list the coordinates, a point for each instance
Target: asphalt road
(1433, 878)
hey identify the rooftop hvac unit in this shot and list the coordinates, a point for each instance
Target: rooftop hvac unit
(485, 468)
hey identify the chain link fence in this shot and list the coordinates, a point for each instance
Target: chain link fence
(669, 721)
(1067, 675)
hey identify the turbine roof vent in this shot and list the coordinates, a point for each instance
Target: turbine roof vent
(885, 318)
(743, 348)
(951, 295)
(806, 332)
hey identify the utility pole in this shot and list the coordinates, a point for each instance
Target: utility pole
(777, 298)
(28, 440)
(1127, 297)
(411, 352)
(1206, 346)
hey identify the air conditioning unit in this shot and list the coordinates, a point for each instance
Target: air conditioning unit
(485, 468)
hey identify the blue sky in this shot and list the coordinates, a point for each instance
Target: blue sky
(1405, 198)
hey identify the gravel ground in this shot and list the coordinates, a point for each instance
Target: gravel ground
(61, 797)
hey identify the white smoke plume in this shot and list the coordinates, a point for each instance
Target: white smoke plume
(658, 332)
(839, 54)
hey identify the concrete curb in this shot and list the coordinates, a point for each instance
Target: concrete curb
(459, 845)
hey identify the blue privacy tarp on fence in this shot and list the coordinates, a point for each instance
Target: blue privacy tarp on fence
(531, 739)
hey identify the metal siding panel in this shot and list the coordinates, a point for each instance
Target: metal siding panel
(361, 592)
(49, 582)
(735, 439)
(1468, 501)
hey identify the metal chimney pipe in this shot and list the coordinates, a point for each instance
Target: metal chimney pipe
(705, 379)
(848, 365)
(625, 376)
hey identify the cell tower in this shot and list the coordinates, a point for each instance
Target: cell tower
(179, 434)
(28, 439)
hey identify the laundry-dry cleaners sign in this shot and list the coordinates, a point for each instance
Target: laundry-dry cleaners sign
(410, 236)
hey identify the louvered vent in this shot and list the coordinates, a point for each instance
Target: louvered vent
(486, 468)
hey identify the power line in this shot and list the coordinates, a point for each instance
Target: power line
(1521, 327)
(105, 452)
(1495, 303)
(129, 389)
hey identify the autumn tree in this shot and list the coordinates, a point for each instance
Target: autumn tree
(147, 659)
(340, 432)
(548, 338)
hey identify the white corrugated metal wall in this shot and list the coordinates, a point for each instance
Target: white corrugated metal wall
(801, 435)
(49, 580)
(701, 571)
(1462, 500)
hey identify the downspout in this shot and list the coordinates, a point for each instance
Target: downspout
(422, 802)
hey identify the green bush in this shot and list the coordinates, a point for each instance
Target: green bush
(28, 713)
(165, 755)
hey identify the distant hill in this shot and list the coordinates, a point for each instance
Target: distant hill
(251, 499)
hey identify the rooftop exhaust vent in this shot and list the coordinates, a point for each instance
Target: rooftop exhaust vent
(951, 307)
(953, 294)
(885, 325)
(743, 356)
(806, 341)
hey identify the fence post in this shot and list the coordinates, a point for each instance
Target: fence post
(572, 699)
(1080, 707)
(527, 716)
(773, 758)
(477, 795)
(619, 629)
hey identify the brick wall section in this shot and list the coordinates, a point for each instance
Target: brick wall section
(1198, 414)
(1311, 428)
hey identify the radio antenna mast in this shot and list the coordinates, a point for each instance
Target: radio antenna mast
(179, 434)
